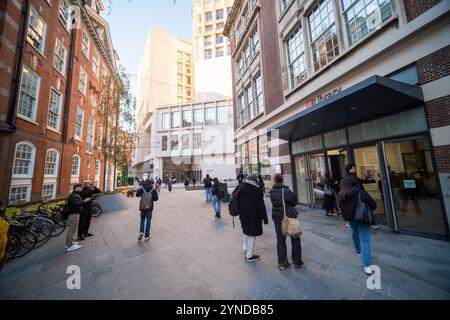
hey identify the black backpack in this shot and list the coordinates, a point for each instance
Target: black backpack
(221, 191)
(233, 206)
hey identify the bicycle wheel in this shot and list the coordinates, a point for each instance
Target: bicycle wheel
(27, 240)
(44, 228)
(60, 225)
(13, 246)
(96, 210)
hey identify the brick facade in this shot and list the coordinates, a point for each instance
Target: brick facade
(434, 66)
(35, 131)
(438, 112)
(415, 8)
(442, 154)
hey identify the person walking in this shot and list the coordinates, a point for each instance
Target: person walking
(207, 184)
(148, 195)
(278, 192)
(186, 182)
(169, 183)
(75, 209)
(194, 181)
(85, 217)
(329, 197)
(260, 182)
(218, 195)
(240, 177)
(351, 189)
(252, 213)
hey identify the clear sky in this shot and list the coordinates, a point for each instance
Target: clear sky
(130, 21)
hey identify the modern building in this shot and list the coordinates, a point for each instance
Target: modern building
(194, 140)
(165, 77)
(365, 82)
(55, 57)
(212, 63)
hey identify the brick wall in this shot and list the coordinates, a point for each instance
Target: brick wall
(438, 112)
(442, 154)
(415, 8)
(434, 66)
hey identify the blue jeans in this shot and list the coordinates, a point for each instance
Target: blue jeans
(208, 194)
(361, 240)
(146, 216)
(216, 204)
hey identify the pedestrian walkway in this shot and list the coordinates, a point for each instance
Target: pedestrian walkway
(194, 256)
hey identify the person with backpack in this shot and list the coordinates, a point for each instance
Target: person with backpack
(218, 195)
(252, 213)
(207, 183)
(148, 195)
(329, 197)
(279, 193)
(352, 191)
(73, 210)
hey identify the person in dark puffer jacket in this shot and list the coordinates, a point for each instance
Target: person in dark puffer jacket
(348, 200)
(290, 200)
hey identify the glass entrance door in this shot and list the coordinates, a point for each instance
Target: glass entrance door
(317, 178)
(368, 169)
(303, 191)
(337, 159)
(414, 186)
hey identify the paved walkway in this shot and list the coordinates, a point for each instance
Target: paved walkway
(194, 256)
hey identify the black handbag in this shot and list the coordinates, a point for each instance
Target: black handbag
(363, 213)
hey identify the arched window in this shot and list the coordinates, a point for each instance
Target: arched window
(51, 163)
(24, 160)
(76, 160)
(97, 167)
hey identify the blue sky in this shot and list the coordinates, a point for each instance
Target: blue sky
(130, 21)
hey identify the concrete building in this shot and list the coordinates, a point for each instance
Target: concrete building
(212, 63)
(349, 81)
(194, 140)
(53, 81)
(165, 77)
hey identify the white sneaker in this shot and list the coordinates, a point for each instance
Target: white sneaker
(72, 244)
(367, 270)
(375, 227)
(73, 247)
(148, 238)
(347, 225)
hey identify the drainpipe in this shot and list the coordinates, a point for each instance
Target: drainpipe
(10, 120)
(67, 103)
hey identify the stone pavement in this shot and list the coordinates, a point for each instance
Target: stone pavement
(194, 256)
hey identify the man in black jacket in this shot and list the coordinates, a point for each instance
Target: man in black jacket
(85, 218)
(75, 203)
(252, 213)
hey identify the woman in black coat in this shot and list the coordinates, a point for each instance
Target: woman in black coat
(252, 213)
(329, 197)
(290, 200)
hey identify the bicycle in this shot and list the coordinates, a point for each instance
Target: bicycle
(43, 227)
(96, 209)
(21, 240)
(55, 215)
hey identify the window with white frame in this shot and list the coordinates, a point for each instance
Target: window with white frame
(210, 116)
(64, 12)
(364, 16)
(79, 124)
(239, 66)
(48, 191)
(24, 160)
(208, 41)
(54, 110)
(255, 41)
(198, 117)
(174, 142)
(249, 102)
(219, 39)
(247, 54)
(76, 161)
(83, 81)
(175, 119)
(97, 168)
(220, 52)
(324, 43)
(59, 60)
(51, 163)
(165, 121)
(96, 63)
(29, 93)
(85, 46)
(164, 143)
(284, 4)
(90, 135)
(222, 115)
(36, 31)
(20, 193)
(259, 99)
(220, 26)
(296, 57)
(219, 14)
(187, 118)
(242, 109)
(197, 140)
(208, 54)
(99, 136)
(208, 17)
(186, 141)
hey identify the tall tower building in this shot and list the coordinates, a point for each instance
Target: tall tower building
(212, 59)
(165, 77)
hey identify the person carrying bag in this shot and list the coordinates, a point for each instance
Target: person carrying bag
(290, 226)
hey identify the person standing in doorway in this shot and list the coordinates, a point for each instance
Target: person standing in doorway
(351, 190)
(207, 184)
(329, 196)
(290, 201)
(148, 195)
(252, 214)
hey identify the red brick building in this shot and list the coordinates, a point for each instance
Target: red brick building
(365, 82)
(55, 61)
